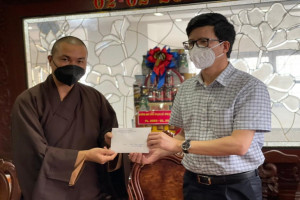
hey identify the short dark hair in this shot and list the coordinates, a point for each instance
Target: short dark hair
(223, 29)
(67, 39)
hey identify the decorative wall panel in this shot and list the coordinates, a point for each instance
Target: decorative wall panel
(267, 46)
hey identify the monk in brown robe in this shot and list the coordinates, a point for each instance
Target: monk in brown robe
(61, 131)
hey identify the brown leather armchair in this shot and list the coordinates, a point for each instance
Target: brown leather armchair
(9, 190)
(161, 180)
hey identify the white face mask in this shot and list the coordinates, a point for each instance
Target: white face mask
(203, 57)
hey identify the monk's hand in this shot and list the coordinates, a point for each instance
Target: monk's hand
(99, 155)
(107, 138)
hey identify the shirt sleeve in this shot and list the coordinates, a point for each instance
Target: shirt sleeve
(176, 116)
(253, 108)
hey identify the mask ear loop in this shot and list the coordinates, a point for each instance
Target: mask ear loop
(216, 46)
(54, 63)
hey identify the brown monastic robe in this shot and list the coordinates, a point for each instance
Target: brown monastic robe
(47, 134)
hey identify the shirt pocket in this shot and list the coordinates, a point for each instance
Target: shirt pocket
(222, 121)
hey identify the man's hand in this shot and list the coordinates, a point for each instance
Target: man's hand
(148, 158)
(163, 141)
(160, 145)
(99, 155)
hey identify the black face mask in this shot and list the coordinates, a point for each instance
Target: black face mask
(68, 74)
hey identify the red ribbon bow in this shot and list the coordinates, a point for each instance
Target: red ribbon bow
(161, 58)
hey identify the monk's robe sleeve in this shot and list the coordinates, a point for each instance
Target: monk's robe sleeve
(35, 160)
(115, 164)
(108, 120)
(79, 164)
(107, 123)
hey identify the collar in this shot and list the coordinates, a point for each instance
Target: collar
(66, 107)
(223, 78)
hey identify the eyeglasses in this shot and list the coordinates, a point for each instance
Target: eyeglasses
(201, 43)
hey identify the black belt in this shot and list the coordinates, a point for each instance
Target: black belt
(226, 179)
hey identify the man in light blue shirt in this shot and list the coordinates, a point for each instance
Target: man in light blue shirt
(223, 114)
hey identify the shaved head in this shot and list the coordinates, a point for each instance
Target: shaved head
(67, 39)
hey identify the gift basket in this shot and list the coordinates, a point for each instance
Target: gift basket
(155, 90)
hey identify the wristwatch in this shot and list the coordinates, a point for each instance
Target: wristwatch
(185, 146)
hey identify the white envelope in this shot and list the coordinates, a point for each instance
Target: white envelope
(130, 140)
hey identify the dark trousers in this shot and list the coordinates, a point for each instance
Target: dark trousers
(248, 189)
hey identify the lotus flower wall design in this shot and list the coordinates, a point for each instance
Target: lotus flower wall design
(267, 46)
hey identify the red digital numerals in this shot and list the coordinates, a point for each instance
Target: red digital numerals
(101, 4)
